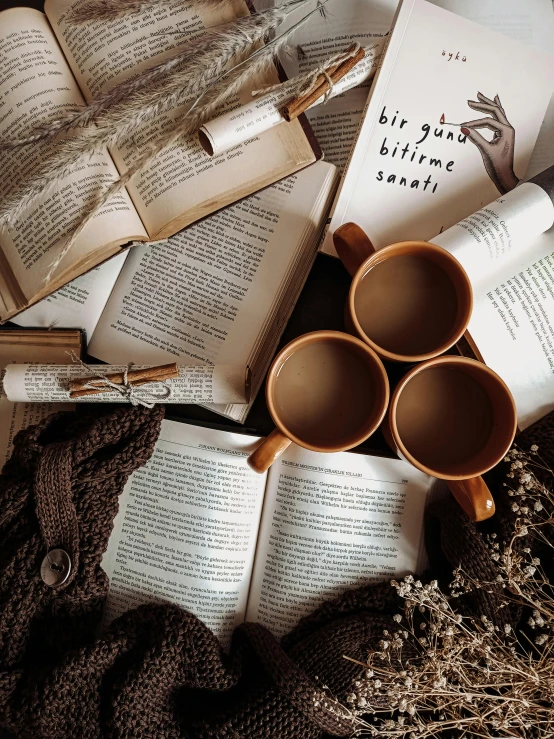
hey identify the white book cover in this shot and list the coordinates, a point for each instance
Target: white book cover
(451, 123)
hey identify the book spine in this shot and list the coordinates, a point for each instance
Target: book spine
(369, 116)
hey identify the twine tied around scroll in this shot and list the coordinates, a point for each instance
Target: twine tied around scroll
(100, 382)
(307, 88)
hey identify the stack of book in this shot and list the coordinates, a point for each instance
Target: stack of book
(241, 231)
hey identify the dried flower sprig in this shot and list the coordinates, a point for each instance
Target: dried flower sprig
(439, 671)
(521, 573)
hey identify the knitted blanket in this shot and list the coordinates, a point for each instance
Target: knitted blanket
(157, 671)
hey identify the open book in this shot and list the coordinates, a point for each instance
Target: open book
(219, 292)
(50, 66)
(46, 347)
(197, 527)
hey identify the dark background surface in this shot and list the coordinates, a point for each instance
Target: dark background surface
(320, 306)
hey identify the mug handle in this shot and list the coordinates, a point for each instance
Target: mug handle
(269, 450)
(474, 497)
(353, 246)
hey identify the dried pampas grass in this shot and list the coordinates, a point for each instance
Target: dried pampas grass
(213, 72)
(182, 75)
(134, 102)
(125, 91)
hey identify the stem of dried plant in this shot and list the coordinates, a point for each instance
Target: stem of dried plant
(225, 86)
(178, 78)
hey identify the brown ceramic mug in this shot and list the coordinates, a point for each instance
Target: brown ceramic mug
(455, 419)
(409, 302)
(326, 391)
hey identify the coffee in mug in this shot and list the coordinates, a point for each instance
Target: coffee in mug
(409, 302)
(327, 392)
(407, 305)
(455, 419)
(445, 418)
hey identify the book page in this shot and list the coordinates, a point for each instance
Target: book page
(183, 184)
(513, 328)
(212, 291)
(332, 31)
(187, 527)
(36, 86)
(332, 522)
(79, 303)
(17, 416)
(488, 241)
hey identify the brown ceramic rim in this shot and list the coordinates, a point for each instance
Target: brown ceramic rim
(392, 427)
(377, 258)
(382, 392)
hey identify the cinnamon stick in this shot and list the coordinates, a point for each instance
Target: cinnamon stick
(78, 389)
(300, 104)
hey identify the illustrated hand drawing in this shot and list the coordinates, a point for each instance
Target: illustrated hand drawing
(498, 154)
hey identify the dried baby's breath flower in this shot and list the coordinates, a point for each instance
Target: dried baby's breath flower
(471, 676)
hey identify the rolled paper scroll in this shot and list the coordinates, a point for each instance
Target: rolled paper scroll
(48, 383)
(250, 120)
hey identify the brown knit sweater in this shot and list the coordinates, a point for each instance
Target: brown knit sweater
(158, 671)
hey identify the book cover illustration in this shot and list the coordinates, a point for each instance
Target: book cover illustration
(414, 172)
(497, 152)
